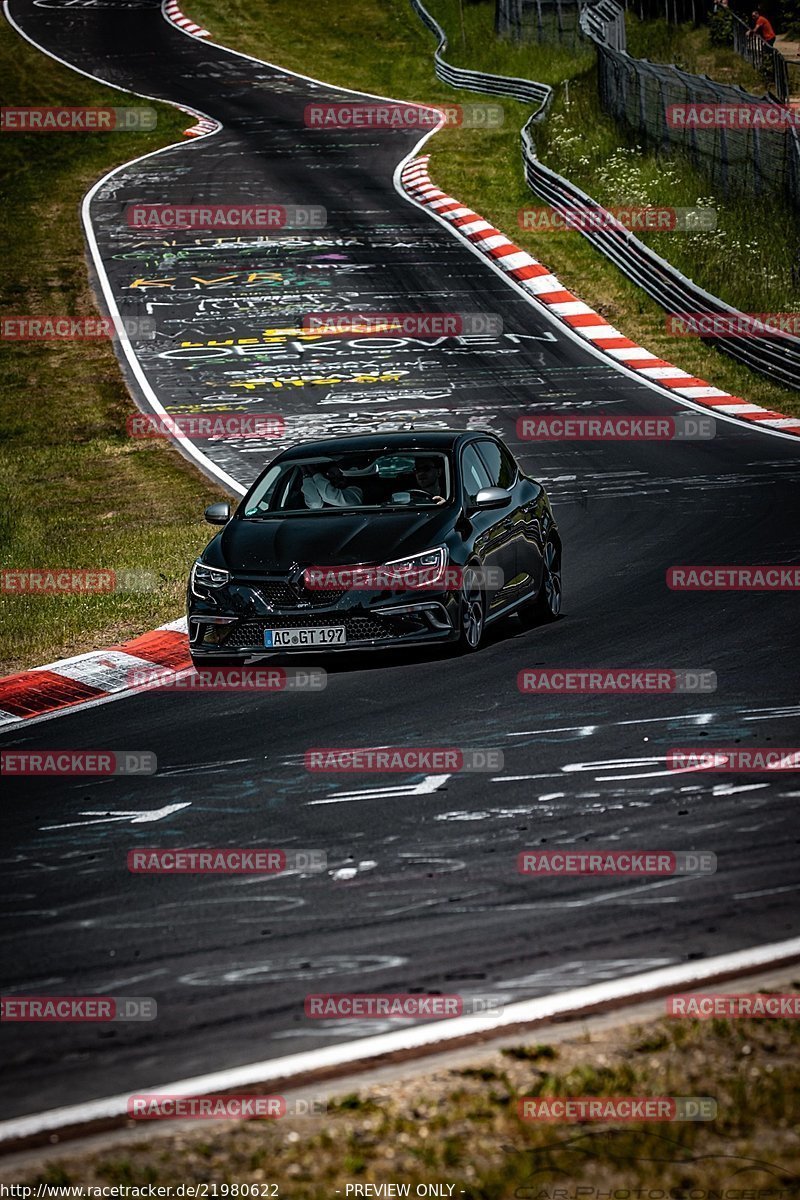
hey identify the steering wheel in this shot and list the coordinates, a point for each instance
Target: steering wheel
(418, 492)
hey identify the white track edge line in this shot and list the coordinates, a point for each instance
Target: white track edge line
(632, 988)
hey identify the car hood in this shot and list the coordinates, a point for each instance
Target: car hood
(326, 539)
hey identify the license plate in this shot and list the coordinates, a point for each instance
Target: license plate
(295, 639)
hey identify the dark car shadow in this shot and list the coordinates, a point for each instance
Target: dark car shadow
(350, 661)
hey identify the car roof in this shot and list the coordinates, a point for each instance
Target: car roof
(412, 439)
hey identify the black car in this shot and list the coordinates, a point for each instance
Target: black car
(375, 541)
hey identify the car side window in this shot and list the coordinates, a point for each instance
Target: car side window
(473, 472)
(499, 463)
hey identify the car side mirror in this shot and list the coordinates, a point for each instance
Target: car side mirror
(492, 497)
(218, 514)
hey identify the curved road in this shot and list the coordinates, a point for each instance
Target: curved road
(422, 891)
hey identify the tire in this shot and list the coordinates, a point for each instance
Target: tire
(546, 606)
(471, 610)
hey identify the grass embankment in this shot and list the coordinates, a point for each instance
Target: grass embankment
(747, 262)
(75, 490)
(460, 1127)
(690, 47)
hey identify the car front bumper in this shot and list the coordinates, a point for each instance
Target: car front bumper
(396, 623)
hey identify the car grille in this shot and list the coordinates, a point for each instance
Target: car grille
(278, 593)
(251, 633)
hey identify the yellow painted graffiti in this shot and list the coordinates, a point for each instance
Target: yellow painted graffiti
(276, 337)
(252, 277)
(320, 380)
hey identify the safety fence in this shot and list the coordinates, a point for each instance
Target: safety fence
(514, 18)
(544, 21)
(676, 12)
(672, 109)
(604, 24)
(777, 358)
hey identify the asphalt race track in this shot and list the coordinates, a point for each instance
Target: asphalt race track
(421, 891)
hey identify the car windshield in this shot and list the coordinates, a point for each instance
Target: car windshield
(349, 481)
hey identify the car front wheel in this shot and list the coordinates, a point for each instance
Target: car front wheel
(547, 604)
(472, 610)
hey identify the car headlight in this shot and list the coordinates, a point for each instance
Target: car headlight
(418, 569)
(207, 577)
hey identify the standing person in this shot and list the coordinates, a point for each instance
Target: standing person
(762, 27)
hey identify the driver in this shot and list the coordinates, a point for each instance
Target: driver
(429, 476)
(326, 487)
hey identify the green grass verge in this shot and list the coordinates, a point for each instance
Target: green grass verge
(75, 490)
(747, 263)
(748, 260)
(459, 1126)
(690, 47)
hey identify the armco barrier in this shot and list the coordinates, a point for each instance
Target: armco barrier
(526, 90)
(776, 358)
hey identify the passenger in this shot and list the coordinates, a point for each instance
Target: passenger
(326, 488)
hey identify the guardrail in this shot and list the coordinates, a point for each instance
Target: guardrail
(526, 90)
(776, 358)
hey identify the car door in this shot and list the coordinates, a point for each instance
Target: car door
(504, 473)
(491, 540)
(533, 531)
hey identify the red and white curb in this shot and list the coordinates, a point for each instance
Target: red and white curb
(204, 126)
(172, 12)
(433, 1037)
(535, 279)
(91, 677)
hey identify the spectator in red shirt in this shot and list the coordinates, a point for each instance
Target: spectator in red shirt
(762, 27)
